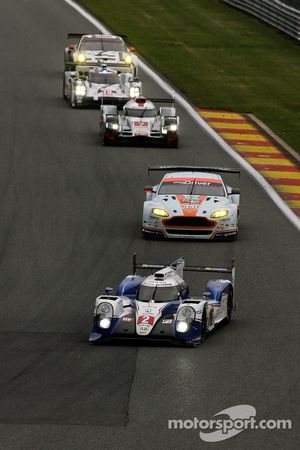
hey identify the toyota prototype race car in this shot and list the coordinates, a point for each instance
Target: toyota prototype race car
(160, 307)
(94, 49)
(140, 123)
(191, 203)
(98, 86)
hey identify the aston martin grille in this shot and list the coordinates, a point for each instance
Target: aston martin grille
(182, 231)
(189, 222)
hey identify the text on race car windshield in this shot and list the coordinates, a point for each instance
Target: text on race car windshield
(101, 45)
(132, 112)
(192, 187)
(104, 78)
(158, 294)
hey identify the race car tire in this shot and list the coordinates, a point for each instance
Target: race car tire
(203, 327)
(107, 141)
(233, 237)
(203, 333)
(153, 236)
(64, 89)
(172, 142)
(229, 308)
(173, 145)
(108, 137)
(73, 102)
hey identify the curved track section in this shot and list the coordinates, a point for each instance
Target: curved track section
(71, 217)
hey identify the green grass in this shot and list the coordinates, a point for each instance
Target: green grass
(218, 56)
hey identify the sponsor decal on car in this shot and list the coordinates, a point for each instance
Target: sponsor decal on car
(127, 319)
(146, 319)
(140, 128)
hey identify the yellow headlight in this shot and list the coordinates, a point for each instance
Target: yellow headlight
(220, 213)
(128, 59)
(160, 212)
(81, 58)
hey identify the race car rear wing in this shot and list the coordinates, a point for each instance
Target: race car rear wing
(79, 35)
(101, 61)
(142, 266)
(75, 35)
(194, 168)
(161, 100)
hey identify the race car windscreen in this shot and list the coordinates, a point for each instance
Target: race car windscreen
(104, 78)
(158, 294)
(95, 44)
(132, 112)
(192, 186)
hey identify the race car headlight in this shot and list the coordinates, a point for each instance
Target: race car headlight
(105, 308)
(134, 92)
(105, 314)
(169, 127)
(186, 313)
(80, 90)
(182, 327)
(160, 212)
(81, 58)
(104, 323)
(128, 59)
(172, 127)
(220, 213)
(184, 319)
(112, 125)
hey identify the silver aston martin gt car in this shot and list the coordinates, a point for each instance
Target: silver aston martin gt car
(191, 203)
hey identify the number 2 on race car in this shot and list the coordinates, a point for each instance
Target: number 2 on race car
(145, 320)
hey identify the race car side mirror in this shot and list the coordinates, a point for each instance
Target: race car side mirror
(148, 189)
(109, 290)
(132, 49)
(71, 46)
(234, 191)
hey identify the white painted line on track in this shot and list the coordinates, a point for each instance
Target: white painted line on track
(213, 134)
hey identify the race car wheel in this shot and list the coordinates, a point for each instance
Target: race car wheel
(172, 141)
(229, 308)
(110, 137)
(233, 237)
(106, 141)
(64, 89)
(151, 236)
(203, 332)
(73, 101)
(203, 327)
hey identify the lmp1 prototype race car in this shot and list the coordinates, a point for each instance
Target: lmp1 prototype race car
(191, 203)
(160, 307)
(140, 123)
(98, 86)
(95, 49)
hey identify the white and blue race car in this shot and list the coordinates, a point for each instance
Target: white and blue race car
(100, 85)
(160, 306)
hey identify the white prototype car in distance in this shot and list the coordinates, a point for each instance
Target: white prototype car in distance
(94, 49)
(100, 85)
(140, 122)
(191, 202)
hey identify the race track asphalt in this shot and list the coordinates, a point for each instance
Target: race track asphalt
(70, 221)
